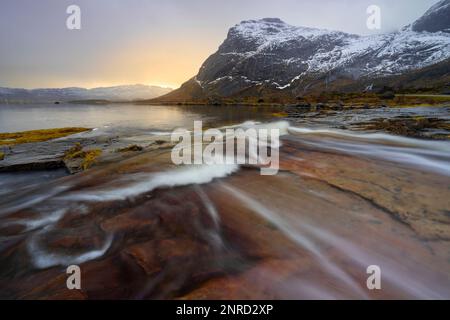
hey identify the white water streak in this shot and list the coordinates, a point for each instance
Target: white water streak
(297, 237)
(179, 177)
(43, 259)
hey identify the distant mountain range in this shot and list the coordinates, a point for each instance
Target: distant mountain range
(269, 57)
(116, 93)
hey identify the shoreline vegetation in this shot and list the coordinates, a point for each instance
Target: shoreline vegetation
(14, 138)
(385, 97)
(347, 100)
(84, 158)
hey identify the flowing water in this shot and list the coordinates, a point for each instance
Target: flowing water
(145, 228)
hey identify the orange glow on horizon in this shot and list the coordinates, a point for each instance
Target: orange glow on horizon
(166, 64)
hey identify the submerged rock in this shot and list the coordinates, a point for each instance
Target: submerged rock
(417, 127)
(132, 148)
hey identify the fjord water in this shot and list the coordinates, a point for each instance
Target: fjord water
(24, 117)
(144, 228)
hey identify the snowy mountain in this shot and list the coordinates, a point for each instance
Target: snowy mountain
(117, 93)
(272, 54)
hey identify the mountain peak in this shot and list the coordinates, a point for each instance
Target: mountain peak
(435, 19)
(271, 25)
(263, 20)
(269, 29)
(273, 20)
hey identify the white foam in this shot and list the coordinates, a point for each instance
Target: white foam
(45, 220)
(42, 259)
(200, 174)
(160, 133)
(283, 126)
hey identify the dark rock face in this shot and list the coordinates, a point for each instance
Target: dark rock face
(437, 18)
(269, 52)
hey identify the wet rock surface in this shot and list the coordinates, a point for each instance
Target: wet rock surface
(308, 232)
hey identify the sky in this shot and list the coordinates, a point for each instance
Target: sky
(155, 42)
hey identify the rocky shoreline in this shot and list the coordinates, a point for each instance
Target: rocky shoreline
(79, 152)
(76, 153)
(433, 123)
